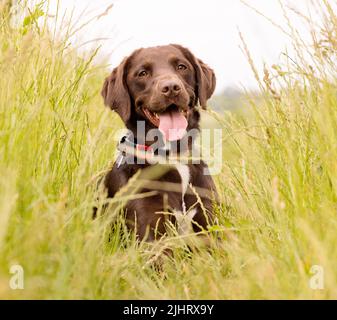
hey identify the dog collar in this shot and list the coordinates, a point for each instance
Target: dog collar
(126, 148)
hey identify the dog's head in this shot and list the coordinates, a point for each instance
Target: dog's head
(161, 85)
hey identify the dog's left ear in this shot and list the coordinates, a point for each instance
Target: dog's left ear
(205, 76)
(115, 92)
(206, 82)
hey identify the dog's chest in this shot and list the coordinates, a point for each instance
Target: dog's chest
(183, 213)
(184, 172)
(184, 216)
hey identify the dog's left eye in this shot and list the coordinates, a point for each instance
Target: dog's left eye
(181, 67)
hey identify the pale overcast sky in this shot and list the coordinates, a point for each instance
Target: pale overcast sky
(209, 28)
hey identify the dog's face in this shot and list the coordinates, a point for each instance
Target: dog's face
(161, 85)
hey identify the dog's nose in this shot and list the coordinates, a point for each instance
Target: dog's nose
(170, 88)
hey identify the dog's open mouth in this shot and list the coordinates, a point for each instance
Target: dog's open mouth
(172, 122)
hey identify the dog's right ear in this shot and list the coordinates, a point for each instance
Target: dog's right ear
(115, 92)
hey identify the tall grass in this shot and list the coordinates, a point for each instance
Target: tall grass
(278, 185)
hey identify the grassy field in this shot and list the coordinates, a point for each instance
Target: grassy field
(278, 184)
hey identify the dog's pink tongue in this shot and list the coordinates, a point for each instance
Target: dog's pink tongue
(173, 125)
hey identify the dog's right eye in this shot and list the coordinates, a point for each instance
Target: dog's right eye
(142, 73)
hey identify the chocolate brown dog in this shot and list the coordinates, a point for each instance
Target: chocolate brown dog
(160, 88)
